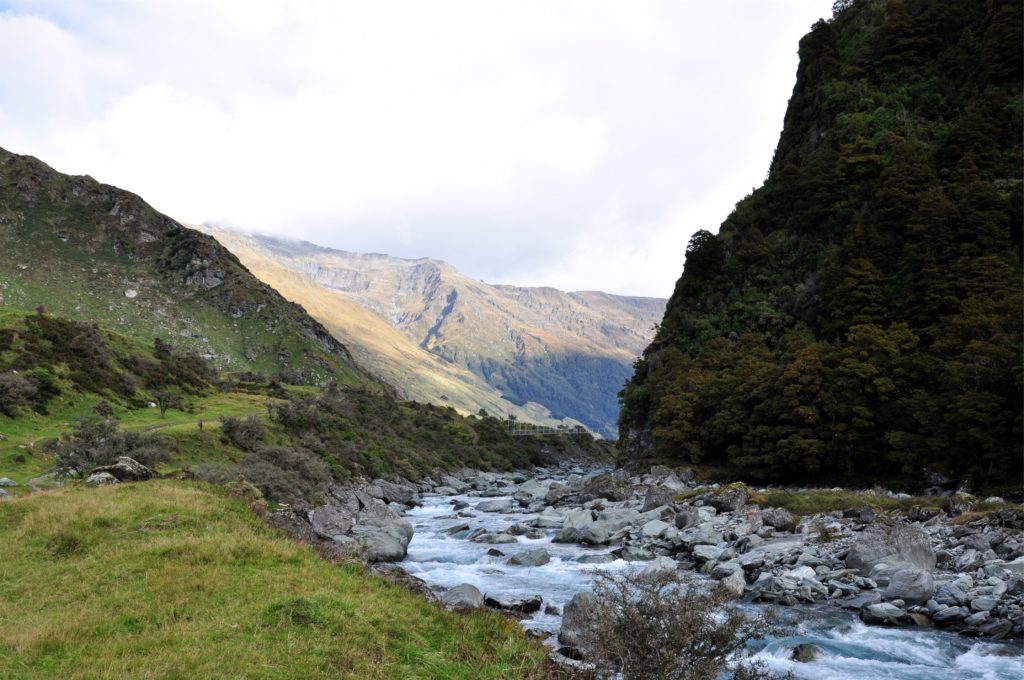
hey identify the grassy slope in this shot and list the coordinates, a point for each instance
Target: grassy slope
(77, 247)
(177, 580)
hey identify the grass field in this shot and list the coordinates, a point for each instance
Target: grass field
(178, 580)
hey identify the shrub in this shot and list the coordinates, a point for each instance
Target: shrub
(668, 627)
(15, 391)
(97, 441)
(247, 434)
(283, 474)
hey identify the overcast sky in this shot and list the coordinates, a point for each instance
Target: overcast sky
(576, 144)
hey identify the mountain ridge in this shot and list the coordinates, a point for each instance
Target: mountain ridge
(533, 345)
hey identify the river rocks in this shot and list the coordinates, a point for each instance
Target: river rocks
(901, 544)
(126, 470)
(914, 586)
(330, 521)
(498, 505)
(806, 652)
(654, 529)
(529, 492)
(395, 493)
(656, 497)
(595, 533)
(779, 519)
(603, 558)
(735, 583)
(949, 615)
(659, 566)
(549, 518)
(729, 498)
(882, 612)
(635, 554)
(612, 487)
(463, 596)
(707, 553)
(530, 558)
(577, 615)
(524, 605)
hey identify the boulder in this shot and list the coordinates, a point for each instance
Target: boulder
(549, 518)
(383, 541)
(126, 470)
(615, 486)
(913, 586)
(806, 652)
(331, 521)
(779, 519)
(613, 520)
(396, 493)
(735, 583)
(603, 558)
(658, 567)
(100, 479)
(577, 615)
(525, 605)
(898, 545)
(657, 496)
(595, 533)
(534, 557)
(688, 517)
(530, 491)
(707, 553)
(7, 481)
(949, 615)
(633, 553)
(654, 529)
(499, 505)
(463, 596)
(883, 612)
(729, 498)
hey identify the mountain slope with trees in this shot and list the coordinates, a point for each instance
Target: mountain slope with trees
(858, 317)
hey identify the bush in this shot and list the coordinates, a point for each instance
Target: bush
(15, 391)
(97, 441)
(247, 434)
(283, 474)
(668, 627)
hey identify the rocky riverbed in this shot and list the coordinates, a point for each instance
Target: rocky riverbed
(858, 584)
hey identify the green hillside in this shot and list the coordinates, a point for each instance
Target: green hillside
(95, 253)
(858, 317)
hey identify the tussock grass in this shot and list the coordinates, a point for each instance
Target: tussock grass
(177, 580)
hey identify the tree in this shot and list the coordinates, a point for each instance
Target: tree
(167, 400)
(15, 391)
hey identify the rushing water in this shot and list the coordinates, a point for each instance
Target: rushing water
(850, 650)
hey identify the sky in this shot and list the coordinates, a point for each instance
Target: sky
(570, 143)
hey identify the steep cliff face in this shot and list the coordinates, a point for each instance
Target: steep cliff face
(93, 252)
(858, 317)
(558, 355)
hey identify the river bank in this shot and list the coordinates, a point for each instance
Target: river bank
(864, 584)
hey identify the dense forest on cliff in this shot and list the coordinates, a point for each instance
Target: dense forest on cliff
(858, 317)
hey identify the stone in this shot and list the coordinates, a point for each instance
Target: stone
(613, 520)
(100, 479)
(499, 505)
(806, 652)
(984, 604)
(735, 583)
(949, 615)
(707, 553)
(779, 519)
(331, 521)
(729, 498)
(457, 529)
(603, 558)
(595, 533)
(530, 491)
(525, 605)
(463, 596)
(707, 535)
(635, 554)
(126, 470)
(654, 529)
(898, 545)
(578, 613)
(687, 517)
(656, 497)
(748, 543)
(396, 493)
(883, 612)
(914, 586)
(549, 518)
(7, 481)
(534, 557)
(615, 486)
(659, 566)
(997, 629)
(977, 619)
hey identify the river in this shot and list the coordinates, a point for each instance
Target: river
(851, 650)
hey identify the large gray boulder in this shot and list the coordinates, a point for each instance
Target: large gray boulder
(777, 518)
(534, 557)
(498, 505)
(383, 541)
(656, 497)
(126, 470)
(913, 586)
(396, 493)
(7, 481)
(615, 486)
(898, 545)
(580, 612)
(330, 521)
(729, 498)
(530, 491)
(101, 479)
(463, 596)
(883, 612)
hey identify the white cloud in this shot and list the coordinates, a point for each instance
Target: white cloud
(572, 143)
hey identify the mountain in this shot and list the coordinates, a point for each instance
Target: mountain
(441, 336)
(858, 317)
(92, 252)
